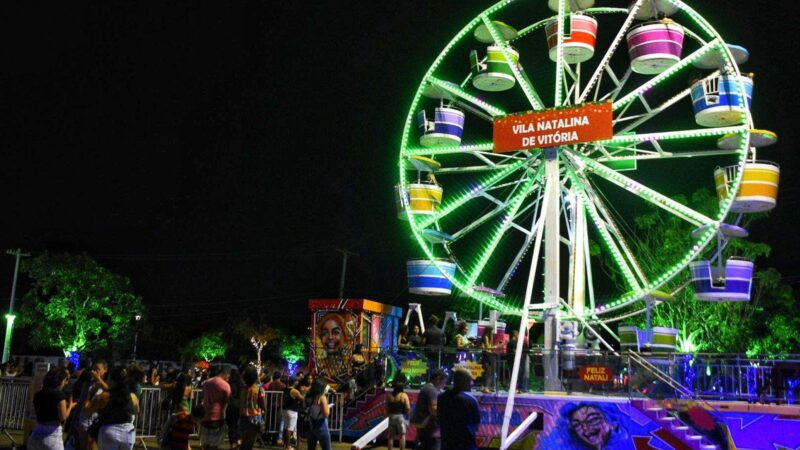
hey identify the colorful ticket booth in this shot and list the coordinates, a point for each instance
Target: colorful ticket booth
(337, 326)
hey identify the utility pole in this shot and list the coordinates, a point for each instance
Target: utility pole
(10, 316)
(345, 253)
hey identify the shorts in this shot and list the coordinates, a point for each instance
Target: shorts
(251, 424)
(214, 435)
(397, 425)
(117, 436)
(290, 420)
(46, 437)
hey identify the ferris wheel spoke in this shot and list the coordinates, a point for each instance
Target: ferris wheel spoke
(456, 149)
(619, 83)
(463, 198)
(665, 75)
(456, 90)
(514, 205)
(500, 206)
(561, 17)
(640, 190)
(653, 112)
(621, 139)
(623, 153)
(615, 230)
(606, 60)
(516, 68)
(603, 229)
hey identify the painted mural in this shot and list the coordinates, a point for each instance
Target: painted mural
(334, 341)
(610, 424)
(340, 326)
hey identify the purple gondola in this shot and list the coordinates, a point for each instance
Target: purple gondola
(731, 283)
(655, 46)
(446, 127)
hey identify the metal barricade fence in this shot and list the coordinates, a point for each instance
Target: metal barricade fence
(273, 411)
(13, 402)
(148, 421)
(336, 418)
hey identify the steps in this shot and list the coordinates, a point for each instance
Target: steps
(682, 432)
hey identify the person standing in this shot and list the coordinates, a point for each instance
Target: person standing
(424, 418)
(232, 409)
(216, 393)
(488, 359)
(292, 402)
(116, 409)
(462, 340)
(52, 409)
(318, 410)
(89, 392)
(459, 416)
(414, 337)
(397, 407)
(434, 336)
(251, 411)
(433, 339)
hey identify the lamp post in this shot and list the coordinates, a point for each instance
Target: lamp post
(10, 316)
(136, 335)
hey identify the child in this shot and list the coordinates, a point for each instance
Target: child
(182, 424)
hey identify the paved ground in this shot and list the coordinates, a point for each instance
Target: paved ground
(5, 443)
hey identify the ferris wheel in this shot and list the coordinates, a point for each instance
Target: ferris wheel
(541, 130)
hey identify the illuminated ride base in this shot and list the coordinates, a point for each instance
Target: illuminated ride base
(522, 167)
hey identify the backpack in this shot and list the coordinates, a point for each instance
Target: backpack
(313, 410)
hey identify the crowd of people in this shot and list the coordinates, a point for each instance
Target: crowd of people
(94, 407)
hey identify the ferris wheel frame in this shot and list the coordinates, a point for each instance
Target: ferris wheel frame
(576, 162)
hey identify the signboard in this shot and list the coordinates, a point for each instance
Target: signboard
(413, 368)
(551, 128)
(595, 374)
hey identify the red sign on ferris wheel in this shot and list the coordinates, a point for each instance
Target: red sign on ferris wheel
(551, 128)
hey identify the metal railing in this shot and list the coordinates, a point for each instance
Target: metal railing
(13, 402)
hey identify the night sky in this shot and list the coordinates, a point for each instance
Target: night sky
(219, 154)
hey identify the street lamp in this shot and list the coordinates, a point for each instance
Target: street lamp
(136, 335)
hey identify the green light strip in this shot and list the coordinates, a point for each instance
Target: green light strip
(469, 194)
(644, 192)
(608, 240)
(560, 51)
(663, 76)
(494, 241)
(522, 78)
(483, 147)
(456, 90)
(673, 135)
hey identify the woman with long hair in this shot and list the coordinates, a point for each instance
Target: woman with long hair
(52, 409)
(316, 403)
(116, 409)
(397, 408)
(462, 341)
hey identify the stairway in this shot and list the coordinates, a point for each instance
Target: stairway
(685, 437)
(362, 399)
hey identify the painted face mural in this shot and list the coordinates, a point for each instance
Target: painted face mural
(331, 332)
(590, 426)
